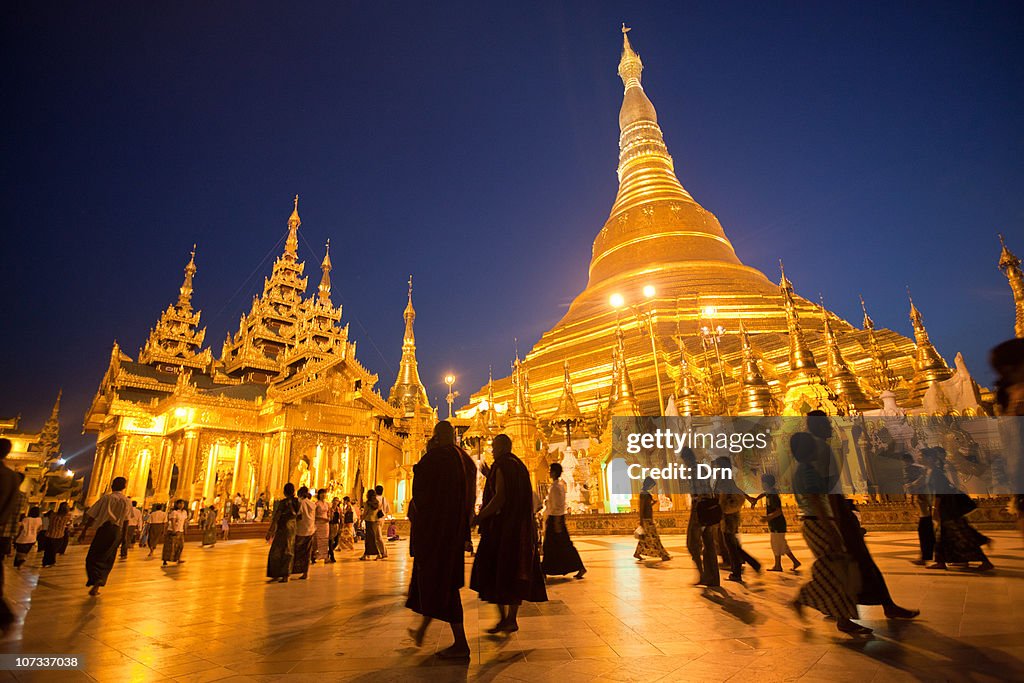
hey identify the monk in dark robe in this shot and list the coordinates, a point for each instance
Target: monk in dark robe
(507, 566)
(443, 495)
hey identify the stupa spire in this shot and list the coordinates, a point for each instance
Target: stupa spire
(801, 359)
(652, 213)
(291, 245)
(623, 398)
(1010, 265)
(755, 394)
(408, 391)
(929, 368)
(325, 279)
(568, 409)
(837, 373)
(686, 399)
(185, 292)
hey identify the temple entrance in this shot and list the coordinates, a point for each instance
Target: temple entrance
(174, 483)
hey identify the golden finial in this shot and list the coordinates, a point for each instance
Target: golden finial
(410, 288)
(915, 315)
(869, 324)
(630, 66)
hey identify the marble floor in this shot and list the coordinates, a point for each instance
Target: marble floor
(214, 618)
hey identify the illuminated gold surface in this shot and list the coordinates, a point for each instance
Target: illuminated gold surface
(286, 401)
(1010, 265)
(658, 235)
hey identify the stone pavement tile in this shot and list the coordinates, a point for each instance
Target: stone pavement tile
(208, 676)
(592, 652)
(554, 654)
(634, 649)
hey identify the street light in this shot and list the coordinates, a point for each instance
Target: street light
(449, 379)
(617, 300)
(649, 291)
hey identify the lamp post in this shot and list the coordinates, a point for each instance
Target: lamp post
(711, 334)
(645, 318)
(449, 379)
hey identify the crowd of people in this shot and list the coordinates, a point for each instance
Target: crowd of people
(512, 560)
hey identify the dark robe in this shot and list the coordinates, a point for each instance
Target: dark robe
(102, 554)
(282, 549)
(873, 589)
(443, 496)
(507, 566)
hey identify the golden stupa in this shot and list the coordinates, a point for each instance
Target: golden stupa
(664, 271)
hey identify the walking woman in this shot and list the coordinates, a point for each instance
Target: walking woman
(305, 529)
(322, 520)
(369, 514)
(56, 536)
(346, 539)
(155, 527)
(958, 542)
(649, 544)
(174, 535)
(560, 555)
(282, 531)
(28, 535)
(208, 523)
(333, 529)
(832, 589)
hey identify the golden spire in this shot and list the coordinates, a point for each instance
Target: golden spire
(883, 378)
(687, 400)
(408, 391)
(520, 407)
(410, 316)
(49, 437)
(929, 368)
(185, 292)
(1010, 265)
(837, 373)
(630, 66)
(291, 245)
(623, 398)
(801, 359)
(325, 279)
(568, 409)
(755, 394)
(492, 410)
(652, 213)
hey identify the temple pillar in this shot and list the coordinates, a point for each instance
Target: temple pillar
(162, 478)
(187, 473)
(120, 456)
(139, 474)
(210, 476)
(236, 471)
(98, 482)
(263, 477)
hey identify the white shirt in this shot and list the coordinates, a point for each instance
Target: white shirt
(176, 521)
(306, 525)
(555, 504)
(111, 507)
(157, 517)
(384, 507)
(135, 517)
(29, 530)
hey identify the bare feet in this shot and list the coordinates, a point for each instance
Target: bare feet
(580, 573)
(897, 612)
(796, 564)
(777, 568)
(986, 566)
(417, 635)
(94, 591)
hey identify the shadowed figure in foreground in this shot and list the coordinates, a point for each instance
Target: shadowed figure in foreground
(440, 512)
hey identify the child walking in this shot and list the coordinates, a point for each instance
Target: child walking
(776, 523)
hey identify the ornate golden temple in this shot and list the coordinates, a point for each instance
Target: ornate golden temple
(673, 322)
(287, 400)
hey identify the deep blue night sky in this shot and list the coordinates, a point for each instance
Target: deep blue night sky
(475, 146)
